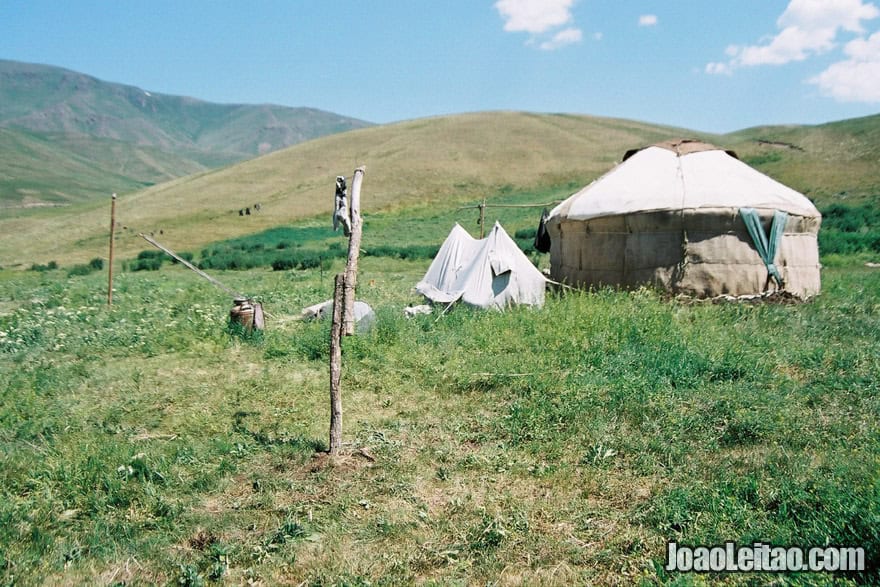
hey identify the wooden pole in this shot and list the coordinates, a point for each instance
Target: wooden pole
(336, 365)
(354, 249)
(110, 262)
(482, 217)
(343, 323)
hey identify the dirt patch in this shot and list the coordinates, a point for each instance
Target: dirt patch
(343, 462)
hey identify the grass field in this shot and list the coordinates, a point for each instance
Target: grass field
(147, 444)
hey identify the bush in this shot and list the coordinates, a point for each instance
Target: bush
(97, 263)
(408, 252)
(78, 270)
(302, 260)
(52, 265)
(283, 264)
(849, 229)
(151, 254)
(145, 265)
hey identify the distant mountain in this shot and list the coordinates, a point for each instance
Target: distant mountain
(127, 137)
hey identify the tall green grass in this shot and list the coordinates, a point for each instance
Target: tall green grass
(850, 229)
(559, 446)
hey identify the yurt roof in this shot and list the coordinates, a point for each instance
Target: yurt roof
(681, 175)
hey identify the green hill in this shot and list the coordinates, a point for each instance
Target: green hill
(130, 137)
(830, 162)
(57, 169)
(436, 162)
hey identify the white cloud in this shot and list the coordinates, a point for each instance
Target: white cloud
(807, 28)
(534, 16)
(562, 38)
(718, 68)
(817, 14)
(791, 44)
(648, 20)
(856, 79)
(542, 19)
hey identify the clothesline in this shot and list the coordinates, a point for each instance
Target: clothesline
(484, 205)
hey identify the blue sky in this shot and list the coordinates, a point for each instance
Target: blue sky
(709, 65)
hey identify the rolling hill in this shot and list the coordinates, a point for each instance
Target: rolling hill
(833, 162)
(128, 138)
(436, 162)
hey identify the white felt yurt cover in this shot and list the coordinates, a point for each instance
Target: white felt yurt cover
(488, 273)
(657, 179)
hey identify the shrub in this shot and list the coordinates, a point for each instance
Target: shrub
(302, 260)
(52, 265)
(145, 265)
(151, 254)
(849, 229)
(408, 252)
(97, 263)
(525, 233)
(283, 264)
(78, 270)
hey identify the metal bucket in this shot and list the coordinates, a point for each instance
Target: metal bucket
(247, 313)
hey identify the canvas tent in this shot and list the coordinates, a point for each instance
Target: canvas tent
(488, 273)
(690, 218)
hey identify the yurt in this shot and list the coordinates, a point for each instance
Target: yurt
(690, 218)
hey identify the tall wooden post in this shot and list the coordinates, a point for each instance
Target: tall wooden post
(336, 366)
(110, 261)
(354, 250)
(343, 311)
(482, 217)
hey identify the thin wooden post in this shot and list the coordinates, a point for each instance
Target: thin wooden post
(482, 217)
(336, 365)
(354, 249)
(110, 261)
(343, 323)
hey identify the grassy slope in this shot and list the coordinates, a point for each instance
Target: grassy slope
(440, 161)
(830, 163)
(41, 169)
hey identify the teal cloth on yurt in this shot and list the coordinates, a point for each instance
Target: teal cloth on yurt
(767, 248)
